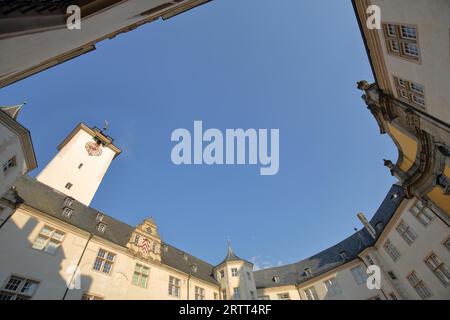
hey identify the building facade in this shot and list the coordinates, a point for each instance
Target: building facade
(55, 246)
(34, 35)
(16, 156)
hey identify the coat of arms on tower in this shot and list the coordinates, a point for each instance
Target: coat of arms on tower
(93, 148)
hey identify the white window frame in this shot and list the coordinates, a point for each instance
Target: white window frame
(15, 288)
(103, 260)
(46, 238)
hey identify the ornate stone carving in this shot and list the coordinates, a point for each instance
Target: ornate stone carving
(145, 242)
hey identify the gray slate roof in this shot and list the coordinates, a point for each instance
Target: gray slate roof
(50, 201)
(330, 258)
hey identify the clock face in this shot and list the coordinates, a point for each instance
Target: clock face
(93, 149)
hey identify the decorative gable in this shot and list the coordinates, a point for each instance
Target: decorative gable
(145, 241)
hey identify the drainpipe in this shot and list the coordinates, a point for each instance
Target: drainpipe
(78, 265)
(188, 285)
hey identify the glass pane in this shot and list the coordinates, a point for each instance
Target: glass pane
(101, 253)
(46, 231)
(52, 247)
(39, 243)
(58, 236)
(107, 267)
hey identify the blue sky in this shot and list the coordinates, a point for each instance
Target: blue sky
(288, 64)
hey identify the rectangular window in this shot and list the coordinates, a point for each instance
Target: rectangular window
(140, 276)
(67, 212)
(90, 297)
(416, 87)
(249, 276)
(199, 293)
(406, 232)
(104, 261)
(216, 296)
(48, 240)
(11, 163)
(410, 49)
(391, 250)
(410, 92)
(418, 100)
(408, 32)
(311, 294)
(224, 294)
(401, 40)
(359, 274)
(283, 296)
(422, 213)
(439, 269)
(391, 30)
(332, 286)
(234, 272)
(236, 294)
(68, 185)
(418, 285)
(222, 274)
(174, 287)
(18, 288)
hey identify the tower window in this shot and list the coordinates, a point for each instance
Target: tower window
(68, 185)
(222, 274)
(9, 164)
(234, 272)
(80, 166)
(401, 40)
(410, 91)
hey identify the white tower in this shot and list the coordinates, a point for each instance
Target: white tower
(82, 161)
(235, 277)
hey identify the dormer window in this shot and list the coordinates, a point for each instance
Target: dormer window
(308, 272)
(185, 257)
(194, 267)
(99, 217)
(68, 201)
(101, 227)
(343, 255)
(67, 212)
(276, 279)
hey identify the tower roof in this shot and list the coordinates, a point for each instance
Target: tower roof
(12, 111)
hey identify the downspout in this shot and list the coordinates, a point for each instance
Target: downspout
(78, 265)
(188, 285)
